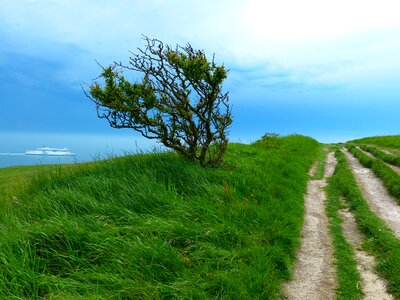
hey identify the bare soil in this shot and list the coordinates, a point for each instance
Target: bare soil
(379, 200)
(314, 273)
(313, 168)
(373, 286)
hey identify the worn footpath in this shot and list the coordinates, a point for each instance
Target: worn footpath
(377, 196)
(314, 273)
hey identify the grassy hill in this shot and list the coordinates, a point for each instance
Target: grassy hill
(157, 226)
(388, 141)
(12, 176)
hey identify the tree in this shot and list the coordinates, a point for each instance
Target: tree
(179, 100)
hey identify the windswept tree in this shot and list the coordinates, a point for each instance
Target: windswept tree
(178, 100)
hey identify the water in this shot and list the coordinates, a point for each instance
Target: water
(16, 159)
(87, 147)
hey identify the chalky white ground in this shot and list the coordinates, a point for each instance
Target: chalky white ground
(314, 273)
(373, 286)
(379, 200)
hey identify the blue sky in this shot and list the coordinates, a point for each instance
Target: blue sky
(327, 69)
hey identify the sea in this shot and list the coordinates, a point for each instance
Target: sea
(87, 147)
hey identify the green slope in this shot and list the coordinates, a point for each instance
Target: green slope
(15, 175)
(157, 226)
(388, 141)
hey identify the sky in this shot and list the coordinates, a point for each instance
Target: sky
(326, 69)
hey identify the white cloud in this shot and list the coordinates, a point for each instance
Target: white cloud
(288, 20)
(316, 41)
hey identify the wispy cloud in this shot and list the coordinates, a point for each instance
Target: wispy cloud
(277, 51)
(289, 42)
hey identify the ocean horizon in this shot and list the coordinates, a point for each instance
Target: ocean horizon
(87, 147)
(90, 147)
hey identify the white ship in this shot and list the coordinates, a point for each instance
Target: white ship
(50, 151)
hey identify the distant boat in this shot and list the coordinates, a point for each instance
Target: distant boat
(50, 151)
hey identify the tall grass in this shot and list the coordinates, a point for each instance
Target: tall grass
(16, 177)
(379, 240)
(12, 176)
(158, 226)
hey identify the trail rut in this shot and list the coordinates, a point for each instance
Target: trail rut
(373, 286)
(314, 273)
(375, 193)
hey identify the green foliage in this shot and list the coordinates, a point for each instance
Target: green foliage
(269, 140)
(379, 240)
(159, 226)
(179, 100)
(389, 177)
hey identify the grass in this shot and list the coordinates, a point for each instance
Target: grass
(379, 239)
(158, 226)
(347, 276)
(13, 177)
(16, 175)
(389, 141)
(390, 159)
(389, 177)
(320, 167)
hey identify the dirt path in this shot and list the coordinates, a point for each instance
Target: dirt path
(373, 286)
(314, 273)
(375, 193)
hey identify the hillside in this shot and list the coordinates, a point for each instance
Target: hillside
(282, 217)
(157, 226)
(389, 141)
(14, 176)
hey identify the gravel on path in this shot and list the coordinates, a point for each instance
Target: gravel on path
(314, 273)
(377, 196)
